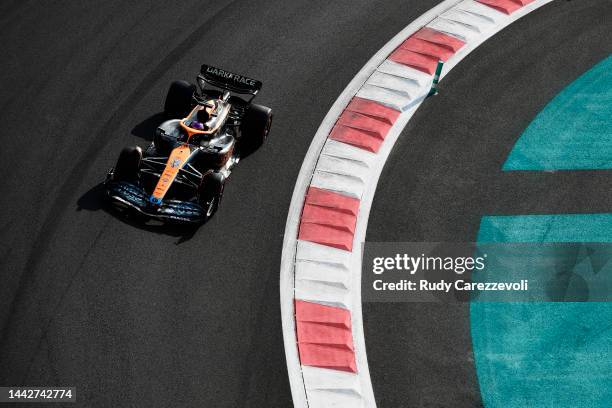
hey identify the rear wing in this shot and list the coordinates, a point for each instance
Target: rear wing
(228, 80)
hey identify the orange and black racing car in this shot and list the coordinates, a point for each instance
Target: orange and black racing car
(180, 176)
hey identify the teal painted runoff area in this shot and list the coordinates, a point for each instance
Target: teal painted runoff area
(574, 131)
(544, 354)
(552, 354)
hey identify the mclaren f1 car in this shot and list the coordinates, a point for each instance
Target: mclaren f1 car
(181, 175)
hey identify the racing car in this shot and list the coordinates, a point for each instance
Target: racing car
(208, 128)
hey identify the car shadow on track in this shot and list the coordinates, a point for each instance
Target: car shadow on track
(95, 200)
(146, 129)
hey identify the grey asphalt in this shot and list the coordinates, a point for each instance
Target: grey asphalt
(152, 317)
(445, 173)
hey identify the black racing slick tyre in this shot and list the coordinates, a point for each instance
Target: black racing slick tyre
(210, 193)
(254, 128)
(128, 164)
(179, 100)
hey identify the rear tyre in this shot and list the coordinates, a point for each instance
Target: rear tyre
(179, 99)
(128, 164)
(254, 128)
(210, 193)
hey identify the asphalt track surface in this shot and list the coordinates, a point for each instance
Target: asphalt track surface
(139, 316)
(444, 174)
(142, 316)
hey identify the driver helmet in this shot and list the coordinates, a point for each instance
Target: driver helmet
(203, 116)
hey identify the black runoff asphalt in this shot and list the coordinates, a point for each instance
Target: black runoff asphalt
(144, 316)
(444, 174)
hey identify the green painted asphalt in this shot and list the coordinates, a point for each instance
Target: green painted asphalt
(574, 130)
(552, 354)
(544, 354)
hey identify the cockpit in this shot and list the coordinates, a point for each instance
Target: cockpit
(206, 118)
(200, 117)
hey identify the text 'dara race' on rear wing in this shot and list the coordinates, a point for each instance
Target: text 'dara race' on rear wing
(230, 81)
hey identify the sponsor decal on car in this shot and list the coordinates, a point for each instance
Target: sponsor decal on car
(229, 75)
(177, 158)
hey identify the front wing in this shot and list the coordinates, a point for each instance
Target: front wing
(128, 195)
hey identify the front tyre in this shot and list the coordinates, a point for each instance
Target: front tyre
(254, 129)
(128, 165)
(179, 100)
(210, 193)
